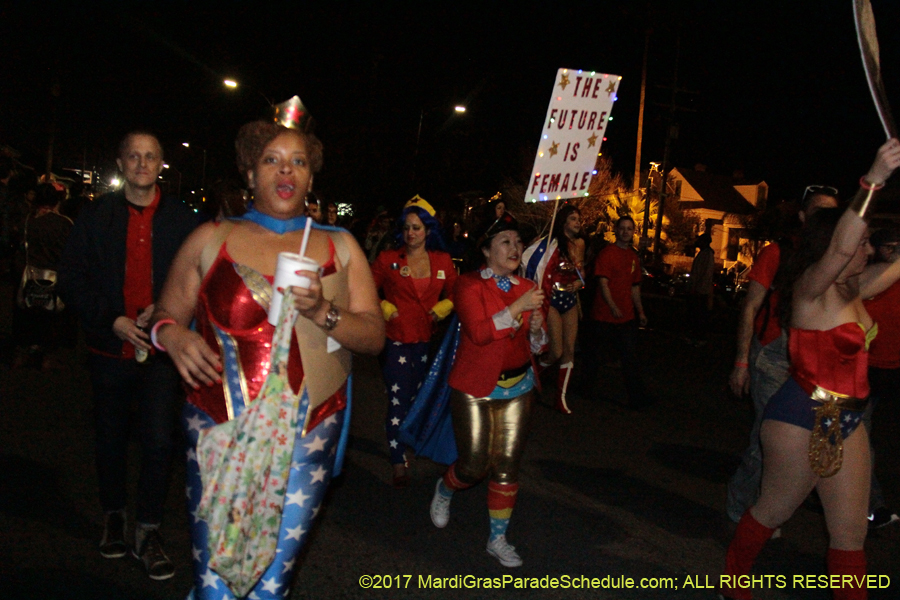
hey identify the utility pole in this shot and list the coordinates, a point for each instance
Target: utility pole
(636, 186)
(671, 136)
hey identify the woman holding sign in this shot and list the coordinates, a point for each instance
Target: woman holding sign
(417, 282)
(810, 435)
(492, 382)
(556, 263)
(223, 277)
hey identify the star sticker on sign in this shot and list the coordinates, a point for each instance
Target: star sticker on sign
(564, 81)
(554, 148)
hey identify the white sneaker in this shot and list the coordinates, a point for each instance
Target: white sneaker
(440, 507)
(502, 551)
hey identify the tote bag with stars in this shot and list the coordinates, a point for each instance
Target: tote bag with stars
(244, 468)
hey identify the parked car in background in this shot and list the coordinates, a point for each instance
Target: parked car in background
(730, 286)
(656, 281)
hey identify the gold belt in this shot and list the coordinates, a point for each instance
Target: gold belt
(843, 401)
(827, 456)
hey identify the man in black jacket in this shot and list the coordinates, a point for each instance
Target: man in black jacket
(112, 270)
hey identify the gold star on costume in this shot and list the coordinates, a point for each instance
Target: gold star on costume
(564, 81)
(612, 88)
(592, 140)
(553, 148)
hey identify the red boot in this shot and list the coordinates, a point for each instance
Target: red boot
(852, 563)
(565, 374)
(749, 539)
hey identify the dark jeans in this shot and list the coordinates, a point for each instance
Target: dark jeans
(883, 384)
(156, 388)
(621, 339)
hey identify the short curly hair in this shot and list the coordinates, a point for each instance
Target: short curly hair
(253, 138)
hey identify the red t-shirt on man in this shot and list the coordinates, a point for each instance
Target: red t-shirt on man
(884, 351)
(622, 268)
(766, 325)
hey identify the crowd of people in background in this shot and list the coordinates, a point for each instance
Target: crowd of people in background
(517, 295)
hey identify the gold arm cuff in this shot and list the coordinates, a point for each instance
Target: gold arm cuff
(862, 202)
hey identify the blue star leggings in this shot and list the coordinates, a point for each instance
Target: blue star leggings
(311, 467)
(404, 367)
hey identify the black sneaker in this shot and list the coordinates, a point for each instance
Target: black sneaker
(882, 517)
(151, 553)
(113, 543)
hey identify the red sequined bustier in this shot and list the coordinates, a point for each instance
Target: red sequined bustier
(835, 359)
(228, 309)
(560, 270)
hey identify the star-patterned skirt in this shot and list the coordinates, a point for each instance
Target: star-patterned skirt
(311, 468)
(791, 404)
(404, 368)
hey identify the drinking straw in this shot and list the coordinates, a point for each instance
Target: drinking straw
(306, 231)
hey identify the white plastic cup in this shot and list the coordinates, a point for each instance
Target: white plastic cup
(286, 276)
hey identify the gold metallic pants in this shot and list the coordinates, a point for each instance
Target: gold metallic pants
(490, 436)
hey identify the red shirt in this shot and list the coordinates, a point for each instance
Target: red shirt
(763, 272)
(622, 268)
(884, 351)
(138, 288)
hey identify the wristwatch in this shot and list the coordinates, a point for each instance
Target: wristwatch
(331, 318)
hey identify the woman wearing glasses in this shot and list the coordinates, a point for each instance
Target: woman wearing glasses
(810, 434)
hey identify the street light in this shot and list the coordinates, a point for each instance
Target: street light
(166, 166)
(203, 171)
(231, 83)
(459, 109)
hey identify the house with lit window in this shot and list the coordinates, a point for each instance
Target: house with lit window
(724, 204)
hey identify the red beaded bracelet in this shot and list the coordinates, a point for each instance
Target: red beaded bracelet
(739, 363)
(868, 186)
(155, 330)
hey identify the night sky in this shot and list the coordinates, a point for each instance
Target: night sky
(780, 92)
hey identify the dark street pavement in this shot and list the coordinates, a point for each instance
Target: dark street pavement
(604, 492)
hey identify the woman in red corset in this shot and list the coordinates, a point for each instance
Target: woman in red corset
(223, 276)
(810, 434)
(492, 382)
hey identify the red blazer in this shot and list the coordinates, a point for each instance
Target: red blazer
(413, 322)
(484, 352)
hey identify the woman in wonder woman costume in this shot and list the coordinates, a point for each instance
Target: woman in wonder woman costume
(223, 277)
(560, 275)
(492, 382)
(810, 434)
